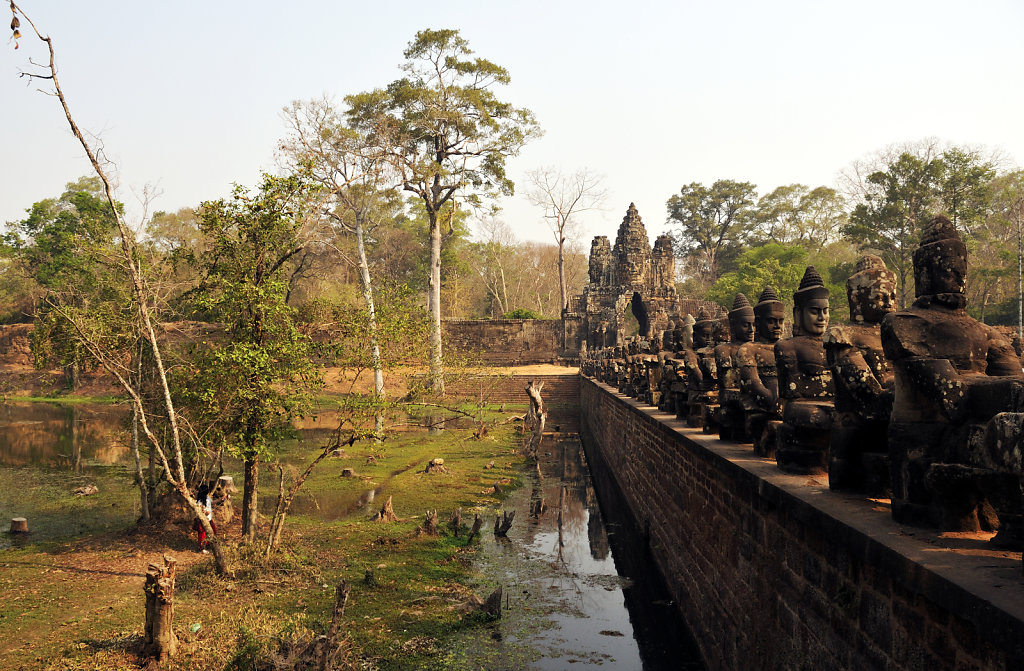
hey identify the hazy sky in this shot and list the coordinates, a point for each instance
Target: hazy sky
(654, 95)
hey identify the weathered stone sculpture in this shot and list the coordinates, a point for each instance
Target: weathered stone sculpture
(759, 377)
(805, 382)
(953, 374)
(863, 378)
(741, 330)
(701, 371)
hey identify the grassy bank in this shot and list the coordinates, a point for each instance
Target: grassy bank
(77, 602)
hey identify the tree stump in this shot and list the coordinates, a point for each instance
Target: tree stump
(436, 466)
(477, 523)
(348, 473)
(455, 524)
(503, 524)
(160, 641)
(386, 513)
(492, 606)
(535, 419)
(19, 525)
(430, 523)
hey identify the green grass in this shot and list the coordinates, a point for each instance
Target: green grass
(90, 615)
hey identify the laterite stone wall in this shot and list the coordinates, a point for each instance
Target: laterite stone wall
(773, 571)
(506, 342)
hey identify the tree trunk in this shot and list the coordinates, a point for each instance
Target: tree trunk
(249, 499)
(561, 274)
(160, 641)
(140, 479)
(436, 379)
(378, 368)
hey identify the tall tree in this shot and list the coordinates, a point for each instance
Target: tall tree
(710, 221)
(448, 136)
(562, 198)
(797, 214)
(361, 199)
(1006, 226)
(963, 185)
(896, 204)
(257, 379)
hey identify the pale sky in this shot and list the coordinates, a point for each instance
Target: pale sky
(653, 95)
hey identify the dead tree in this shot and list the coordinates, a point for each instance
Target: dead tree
(160, 641)
(535, 419)
(477, 523)
(504, 523)
(455, 523)
(330, 650)
(145, 310)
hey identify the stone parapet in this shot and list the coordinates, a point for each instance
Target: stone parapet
(774, 571)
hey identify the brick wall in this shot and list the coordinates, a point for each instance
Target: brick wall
(506, 342)
(773, 571)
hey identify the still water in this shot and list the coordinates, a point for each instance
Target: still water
(580, 590)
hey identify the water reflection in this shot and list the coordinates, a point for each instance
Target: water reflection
(599, 594)
(61, 436)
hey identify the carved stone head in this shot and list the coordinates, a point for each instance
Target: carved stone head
(741, 320)
(940, 261)
(871, 290)
(810, 305)
(769, 316)
(703, 330)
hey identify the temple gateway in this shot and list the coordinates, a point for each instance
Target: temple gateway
(630, 280)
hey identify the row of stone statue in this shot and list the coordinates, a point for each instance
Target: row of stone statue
(925, 405)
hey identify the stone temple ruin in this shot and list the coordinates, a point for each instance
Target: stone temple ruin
(629, 279)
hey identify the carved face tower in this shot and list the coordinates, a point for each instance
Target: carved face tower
(632, 250)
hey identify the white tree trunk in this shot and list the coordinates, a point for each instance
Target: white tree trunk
(434, 305)
(378, 368)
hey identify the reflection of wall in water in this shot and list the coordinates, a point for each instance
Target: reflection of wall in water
(46, 434)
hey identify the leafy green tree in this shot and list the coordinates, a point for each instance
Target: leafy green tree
(780, 266)
(68, 245)
(448, 136)
(254, 381)
(898, 202)
(711, 222)
(797, 214)
(964, 186)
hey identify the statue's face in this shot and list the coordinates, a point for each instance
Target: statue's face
(879, 300)
(742, 328)
(812, 316)
(945, 273)
(769, 325)
(702, 334)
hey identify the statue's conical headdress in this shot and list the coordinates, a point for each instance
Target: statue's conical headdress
(811, 286)
(767, 301)
(741, 307)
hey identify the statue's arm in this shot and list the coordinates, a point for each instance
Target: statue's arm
(854, 373)
(750, 379)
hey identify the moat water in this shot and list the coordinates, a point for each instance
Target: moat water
(579, 589)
